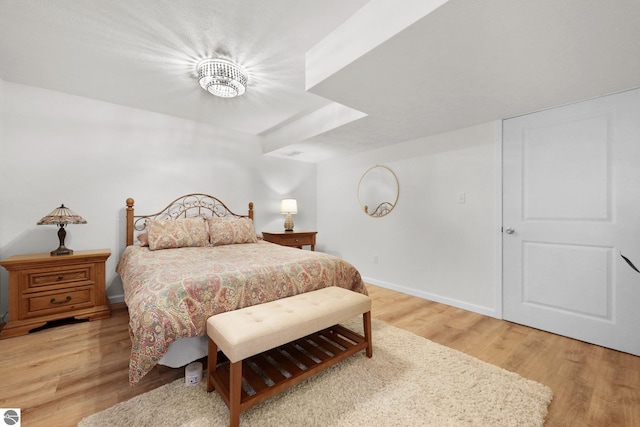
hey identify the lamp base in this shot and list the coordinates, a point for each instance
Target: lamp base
(62, 251)
(288, 223)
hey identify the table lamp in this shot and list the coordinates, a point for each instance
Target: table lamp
(61, 217)
(288, 206)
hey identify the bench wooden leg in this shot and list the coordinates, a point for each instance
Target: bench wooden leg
(235, 392)
(211, 364)
(366, 321)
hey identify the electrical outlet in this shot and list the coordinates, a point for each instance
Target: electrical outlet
(375, 259)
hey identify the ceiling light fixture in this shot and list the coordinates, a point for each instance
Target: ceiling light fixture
(222, 78)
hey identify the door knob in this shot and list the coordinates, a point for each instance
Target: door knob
(509, 230)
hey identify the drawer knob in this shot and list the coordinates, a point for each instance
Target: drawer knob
(60, 277)
(67, 299)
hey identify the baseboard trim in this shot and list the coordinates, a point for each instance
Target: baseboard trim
(487, 311)
(114, 299)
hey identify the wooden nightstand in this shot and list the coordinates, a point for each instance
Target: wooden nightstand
(43, 287)
(296, 239)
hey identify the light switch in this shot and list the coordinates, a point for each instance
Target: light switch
(462, 197)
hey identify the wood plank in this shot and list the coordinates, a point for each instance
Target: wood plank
(298, 355)
(252, 378)
(330, 342)
(283, 361)
(312, 350)
(340, 340)
(274, 374)
(351, 335)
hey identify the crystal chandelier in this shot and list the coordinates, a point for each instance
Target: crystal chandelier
(222, 78)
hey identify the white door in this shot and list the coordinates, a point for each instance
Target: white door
(571, 206)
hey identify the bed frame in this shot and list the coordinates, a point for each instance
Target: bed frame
(186, 206)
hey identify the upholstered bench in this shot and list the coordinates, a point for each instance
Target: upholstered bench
(275, 345)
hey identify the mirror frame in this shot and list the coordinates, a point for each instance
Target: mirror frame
(384, 208)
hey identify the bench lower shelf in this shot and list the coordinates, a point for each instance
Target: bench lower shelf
(275, 370)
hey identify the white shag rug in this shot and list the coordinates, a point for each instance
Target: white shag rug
(410, 381)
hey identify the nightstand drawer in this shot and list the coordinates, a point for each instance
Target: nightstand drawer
(297, 240)
(76, 297)
(57, 276)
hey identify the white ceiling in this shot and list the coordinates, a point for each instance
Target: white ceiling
(328, 77)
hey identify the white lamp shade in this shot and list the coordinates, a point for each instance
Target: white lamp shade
(289, 206)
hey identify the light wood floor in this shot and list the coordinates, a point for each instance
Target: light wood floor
(59, 375)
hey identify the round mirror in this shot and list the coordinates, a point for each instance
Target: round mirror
(378, 191)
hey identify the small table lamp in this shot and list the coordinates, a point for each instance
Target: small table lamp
(288, 206)
(62, 216)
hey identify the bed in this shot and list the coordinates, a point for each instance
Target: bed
(196, 258)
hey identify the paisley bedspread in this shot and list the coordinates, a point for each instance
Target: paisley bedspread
(171, 293)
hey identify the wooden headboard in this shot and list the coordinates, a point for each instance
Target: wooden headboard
(186, 206)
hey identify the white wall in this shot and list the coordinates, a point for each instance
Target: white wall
(429, 245)
(57, 148)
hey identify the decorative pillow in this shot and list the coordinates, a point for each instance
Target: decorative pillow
(177, 233)
(228, 231)
(143, 239)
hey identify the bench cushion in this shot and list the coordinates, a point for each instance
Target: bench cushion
(252, 330)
